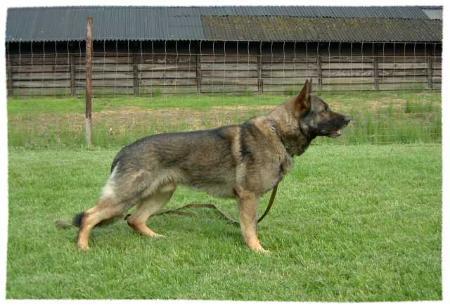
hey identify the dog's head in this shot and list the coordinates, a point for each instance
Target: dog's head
(315, 118)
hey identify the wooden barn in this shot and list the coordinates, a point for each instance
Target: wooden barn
(226, 50)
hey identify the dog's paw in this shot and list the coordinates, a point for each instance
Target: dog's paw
(83, 248)
(260, 250)
(263, 251)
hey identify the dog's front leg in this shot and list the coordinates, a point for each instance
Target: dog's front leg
(248, 202)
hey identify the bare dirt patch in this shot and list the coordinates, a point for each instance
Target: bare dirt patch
(183, 117)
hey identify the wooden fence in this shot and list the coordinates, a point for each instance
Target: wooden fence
(116, 73)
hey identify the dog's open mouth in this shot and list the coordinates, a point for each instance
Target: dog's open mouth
(335, 133)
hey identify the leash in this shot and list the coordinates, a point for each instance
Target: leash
(64, 224)
(222, 214)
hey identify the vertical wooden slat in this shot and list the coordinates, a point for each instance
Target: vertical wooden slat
(9, 77)
(72, 75)
(260, 79)
(198, 73)
(88, 115)
(430, 71)
(376, 80)
(136, 75)
(319, 71)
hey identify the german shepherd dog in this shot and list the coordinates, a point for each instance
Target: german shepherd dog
(237, 161)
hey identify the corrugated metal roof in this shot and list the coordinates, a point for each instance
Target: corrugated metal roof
(273, 28)
(165, 23)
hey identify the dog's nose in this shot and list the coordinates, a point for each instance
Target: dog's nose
(347, 119)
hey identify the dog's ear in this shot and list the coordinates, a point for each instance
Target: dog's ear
(302, 103)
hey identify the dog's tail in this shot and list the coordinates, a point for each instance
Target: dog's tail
(76, 222)
(78, 219)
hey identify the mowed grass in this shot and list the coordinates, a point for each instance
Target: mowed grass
(378, 117)
(350, 223)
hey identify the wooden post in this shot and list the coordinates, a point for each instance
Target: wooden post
(198, 73)
(88, 115)
(430, 72)
(72, 75)
(319, 71)
(376, 80)
(135, 75)
(260, 80)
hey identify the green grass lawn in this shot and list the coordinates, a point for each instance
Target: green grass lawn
(350, 223)
(379, 117)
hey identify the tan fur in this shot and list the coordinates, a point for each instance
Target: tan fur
(105, 209)
(248, 203)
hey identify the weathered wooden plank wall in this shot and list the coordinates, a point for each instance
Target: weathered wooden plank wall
(116, 73)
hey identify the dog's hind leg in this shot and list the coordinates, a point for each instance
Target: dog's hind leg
(106, 208)
(148, 206)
